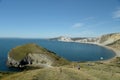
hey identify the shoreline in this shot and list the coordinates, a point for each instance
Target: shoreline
(116, 52)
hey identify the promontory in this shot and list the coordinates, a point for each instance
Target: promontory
(33, 55)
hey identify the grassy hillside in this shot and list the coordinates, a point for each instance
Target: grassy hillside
(4, 74)
(20, 52)
(88, 71)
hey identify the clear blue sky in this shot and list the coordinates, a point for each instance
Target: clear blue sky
(52, 18)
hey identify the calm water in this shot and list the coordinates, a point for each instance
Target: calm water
(70, 51)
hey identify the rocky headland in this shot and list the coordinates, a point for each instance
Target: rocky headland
(33, 55)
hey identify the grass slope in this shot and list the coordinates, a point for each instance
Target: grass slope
(88, 71)
(20, 52)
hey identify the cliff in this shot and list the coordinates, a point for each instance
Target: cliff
(33, 55)
(78, 39)
(86, 39)
(104, 39)
(109, 38)
(115, 44)
(62, 38)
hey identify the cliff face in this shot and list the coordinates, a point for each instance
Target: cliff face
(35, 59)
(86, 40)
(62, 38)
(115, 44)
(33, 55)
(81, 39)
(109, 38)
(104, 39)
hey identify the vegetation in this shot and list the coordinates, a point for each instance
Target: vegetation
(4, 74)
(88, 71)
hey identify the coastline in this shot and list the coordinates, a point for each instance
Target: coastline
(116, 52)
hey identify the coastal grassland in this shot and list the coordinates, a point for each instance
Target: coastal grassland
(4, 74)
(89, 71)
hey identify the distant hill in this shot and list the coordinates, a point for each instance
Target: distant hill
(104, 39)
(115, 44)
(109, 38)
(62, 38)
(77, 39)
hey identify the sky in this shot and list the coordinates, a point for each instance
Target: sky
(53, 18)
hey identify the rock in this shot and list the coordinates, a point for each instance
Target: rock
(33, 55)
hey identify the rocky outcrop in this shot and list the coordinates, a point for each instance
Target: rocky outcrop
(12, 63)
(37, 57)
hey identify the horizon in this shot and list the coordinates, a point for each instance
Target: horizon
(57, 37)
(54, 18)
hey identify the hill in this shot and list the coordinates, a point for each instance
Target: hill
(115, 44)
(104, 39)
(109, 38)
(33, 55)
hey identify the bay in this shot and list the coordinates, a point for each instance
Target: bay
(68, 50)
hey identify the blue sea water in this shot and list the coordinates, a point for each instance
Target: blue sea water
(69, 50)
